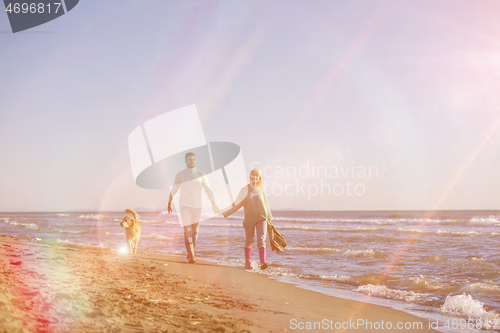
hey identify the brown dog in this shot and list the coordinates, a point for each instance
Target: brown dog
(132, 230)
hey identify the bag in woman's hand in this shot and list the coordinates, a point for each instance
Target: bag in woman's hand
(278, 242)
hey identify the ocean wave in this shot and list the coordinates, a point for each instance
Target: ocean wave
(95, 217)
(363, 253)
(457, 233)
(354, 253)
(67, 241)
(402, 295)
(338, 278)
(481, 287)
(308, 220)
(15, 223)
(492, 219)
(157, 236)
(467, 307)
(62, 214)
(114, 233)
(172, 222)
(343, 279)
(366, 220)
(418, 231)
(71, 232)
(278, 271)
(435, 258)
(426, 283)
(314, 249)
(222, 225)
(359, 280)
(477, 260)
(299, 227)
(371, 278)
(234, 218)
(152, 221)
(140, 220)
(306, 228)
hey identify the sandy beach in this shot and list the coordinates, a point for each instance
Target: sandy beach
(52, 287)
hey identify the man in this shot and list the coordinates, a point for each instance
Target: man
(190, 181)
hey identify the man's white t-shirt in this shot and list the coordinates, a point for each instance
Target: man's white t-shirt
(190, 181)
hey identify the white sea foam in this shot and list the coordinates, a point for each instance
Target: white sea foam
(240, 218)
(354, 253)
(427, 283)
(475, 259)
(492, 219)
(457, 233)
(66, 241)
(367, 220)
(15, 223)
(71, 232)
(222, 225)
(363, 253)
(172, 222)
(308, 228)
(114, 233)
(478, 287)
(464, 305)
(385, 292)
(340, 278)
(62, 214)
(277, 271)
(313, 249)
(413, 230)
(151, 221)
(157, 236)
(92, 217)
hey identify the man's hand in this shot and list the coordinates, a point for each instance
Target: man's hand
(169, 209)
(215, 208)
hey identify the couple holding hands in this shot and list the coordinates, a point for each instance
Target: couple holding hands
(252, 197)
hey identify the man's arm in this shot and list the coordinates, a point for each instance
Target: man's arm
(210, 193)
(237, 204)
(173, 192)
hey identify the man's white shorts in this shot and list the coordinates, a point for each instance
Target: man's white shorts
(190, 215)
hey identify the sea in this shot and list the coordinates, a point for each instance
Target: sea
(441, 265)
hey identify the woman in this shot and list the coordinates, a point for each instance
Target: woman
(253, 198)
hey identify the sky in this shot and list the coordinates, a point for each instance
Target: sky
(344, 105)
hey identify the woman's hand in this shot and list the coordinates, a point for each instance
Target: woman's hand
(215, 208)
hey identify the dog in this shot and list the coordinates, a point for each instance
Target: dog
(132, 230)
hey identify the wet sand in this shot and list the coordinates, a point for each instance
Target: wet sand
(53, 287)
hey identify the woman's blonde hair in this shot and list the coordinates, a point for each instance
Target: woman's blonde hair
(257, 170)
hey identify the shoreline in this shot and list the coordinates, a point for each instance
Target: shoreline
(52, 287)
